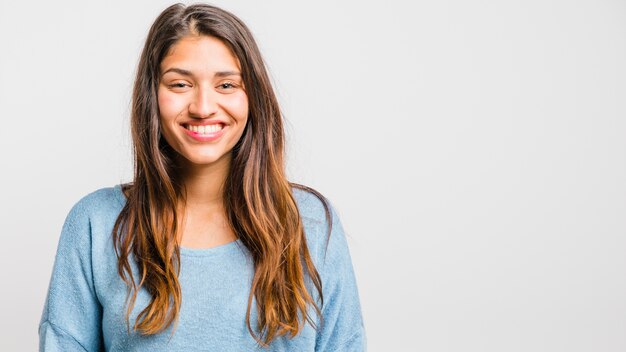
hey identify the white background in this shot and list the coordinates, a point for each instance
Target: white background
(475, 151)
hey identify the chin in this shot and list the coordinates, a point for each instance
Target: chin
(205, 160)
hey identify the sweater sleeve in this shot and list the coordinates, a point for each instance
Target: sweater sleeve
(72, 316)
(342, 326)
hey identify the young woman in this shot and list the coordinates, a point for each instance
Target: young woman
(210, 248)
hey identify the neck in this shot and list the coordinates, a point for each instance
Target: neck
(204, 221)
(204, 184)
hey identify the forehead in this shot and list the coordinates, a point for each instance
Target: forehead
(200, 52)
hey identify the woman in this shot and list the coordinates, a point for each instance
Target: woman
(210, 247)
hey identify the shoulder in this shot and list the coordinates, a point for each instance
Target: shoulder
(98, 201)
(312, 205)
(324, 232)
(107, 196)
(97, 207)
(88, 226)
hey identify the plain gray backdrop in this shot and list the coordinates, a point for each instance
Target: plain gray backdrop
(475, 151)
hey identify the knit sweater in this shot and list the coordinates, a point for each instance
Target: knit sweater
(86, 303)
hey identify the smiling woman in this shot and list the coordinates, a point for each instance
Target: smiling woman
(210, 247)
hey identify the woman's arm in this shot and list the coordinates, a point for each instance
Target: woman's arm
(342, 328)
(72, 315)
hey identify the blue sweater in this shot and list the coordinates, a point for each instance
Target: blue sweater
(85, 308)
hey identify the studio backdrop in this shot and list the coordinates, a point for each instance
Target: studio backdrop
(474, 150)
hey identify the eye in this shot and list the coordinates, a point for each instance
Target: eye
(178, 85)
(227, 85)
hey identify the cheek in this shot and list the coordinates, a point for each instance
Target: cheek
(168, 111)
(239, 107)
(169, 106)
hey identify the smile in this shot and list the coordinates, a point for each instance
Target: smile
(206, 129)
(205, 133)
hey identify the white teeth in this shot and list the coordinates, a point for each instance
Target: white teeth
(204, 129)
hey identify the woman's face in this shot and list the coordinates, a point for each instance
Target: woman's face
(202, 102)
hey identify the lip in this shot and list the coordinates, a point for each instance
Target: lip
(204, 123)
(206, 137)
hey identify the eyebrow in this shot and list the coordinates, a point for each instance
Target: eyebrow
(188, 73)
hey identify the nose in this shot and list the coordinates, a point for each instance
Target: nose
(204, 103)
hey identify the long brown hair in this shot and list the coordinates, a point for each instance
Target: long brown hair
(258, 199)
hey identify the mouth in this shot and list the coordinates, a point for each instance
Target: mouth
(205, 129)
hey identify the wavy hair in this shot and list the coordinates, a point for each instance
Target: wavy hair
(258, 198)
